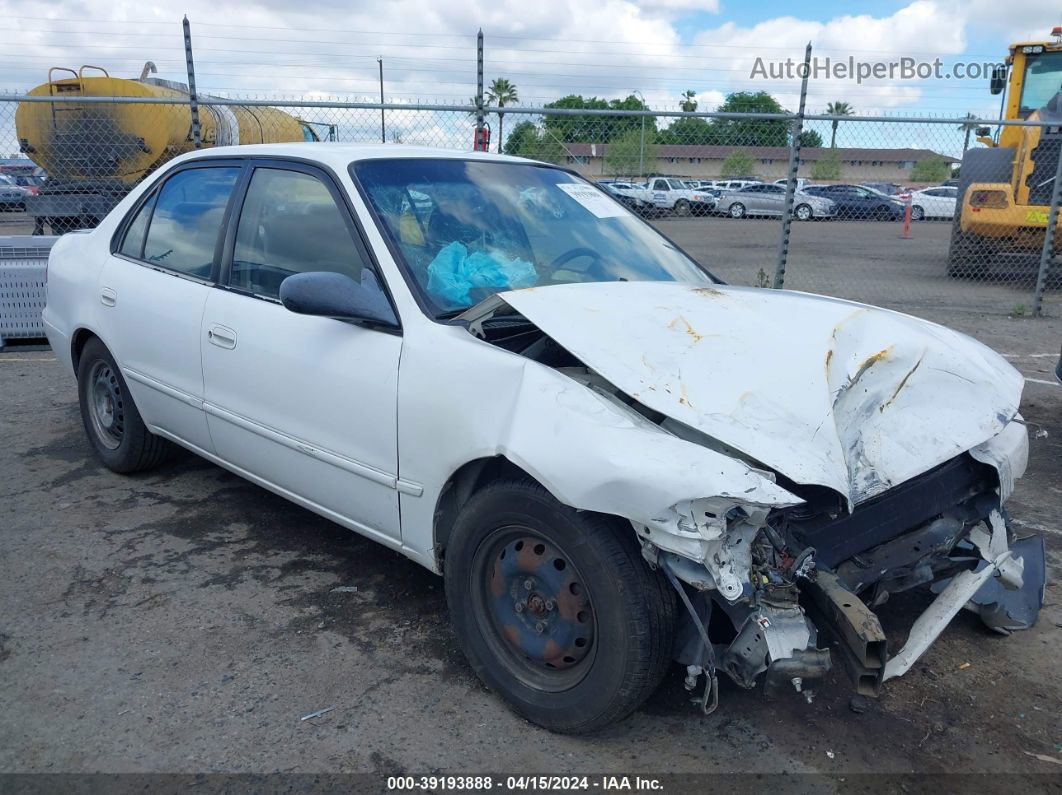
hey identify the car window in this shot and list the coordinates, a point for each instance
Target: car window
(753, 189)
(184, 227)
(493, 226)
(133, 243)
(676, 185)
(660, 184)
(950, 193)
(291, 224)
(773, 189)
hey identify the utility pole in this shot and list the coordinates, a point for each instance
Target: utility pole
(383, 129)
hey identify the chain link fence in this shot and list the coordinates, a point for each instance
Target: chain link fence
(907, 213)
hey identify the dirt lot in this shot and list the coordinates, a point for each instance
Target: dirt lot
(185, 620)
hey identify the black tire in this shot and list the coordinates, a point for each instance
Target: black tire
(589, 583)
(917, 213)
(736, 210)
(111, 420)
(682, 208)
(803, 212)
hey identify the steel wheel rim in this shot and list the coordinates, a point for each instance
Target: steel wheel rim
(548, 642)
(106, 405)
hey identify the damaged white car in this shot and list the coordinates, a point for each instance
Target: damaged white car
(614, 460)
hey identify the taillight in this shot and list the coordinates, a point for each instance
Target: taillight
(995, 199)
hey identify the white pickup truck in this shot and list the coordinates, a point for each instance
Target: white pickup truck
(668, 193)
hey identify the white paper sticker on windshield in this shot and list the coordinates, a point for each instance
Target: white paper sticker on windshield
(593, 199)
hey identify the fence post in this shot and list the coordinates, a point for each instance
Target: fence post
(1047, 253)
(193, 100)
(479, 89)
(794, 165)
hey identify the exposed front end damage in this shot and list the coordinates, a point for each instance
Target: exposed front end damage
(784, 517)
(793, 609)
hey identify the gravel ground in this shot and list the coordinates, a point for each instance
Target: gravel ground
(185, 620)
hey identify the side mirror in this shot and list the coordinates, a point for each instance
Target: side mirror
(999, 79)
(327, 294)
(983, 132)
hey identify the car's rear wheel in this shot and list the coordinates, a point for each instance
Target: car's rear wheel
(737, 210)
(555, 608)
(917, 213)
(110, 416)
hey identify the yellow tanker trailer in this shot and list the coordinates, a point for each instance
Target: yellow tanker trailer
(94, 152)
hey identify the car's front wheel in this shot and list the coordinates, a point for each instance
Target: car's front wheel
(555, 608)
(112, 422)
(803, 212)
(917, 213)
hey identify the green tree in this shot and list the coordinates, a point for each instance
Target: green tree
(810, 138)
(932, 169)
(526, 140)
(595, 129)
(837, 109)
(688, 100)
(500, 93)
(689, 130)
(751, 132)
(828, 167)
(737, 164)
(627, 156)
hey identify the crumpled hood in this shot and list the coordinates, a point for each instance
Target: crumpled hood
(825, 391)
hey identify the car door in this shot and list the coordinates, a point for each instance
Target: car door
(153, 289)
(773, 199)
(947, 197)
(660, 193)
(306, 405)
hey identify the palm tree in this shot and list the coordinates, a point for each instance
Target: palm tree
(837, 109)
(967, 128)
(501, 93)
(689, 101)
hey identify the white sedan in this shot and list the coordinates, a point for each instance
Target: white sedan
(493, 367)
(933, 203)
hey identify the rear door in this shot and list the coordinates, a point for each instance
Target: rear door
(305, 405)
(153, 290)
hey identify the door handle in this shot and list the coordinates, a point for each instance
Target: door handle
(222, 336)
(108, 297)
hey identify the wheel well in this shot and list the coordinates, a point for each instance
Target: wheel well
(458, 490)
(77, 345)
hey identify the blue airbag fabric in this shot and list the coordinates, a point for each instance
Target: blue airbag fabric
(454, 272)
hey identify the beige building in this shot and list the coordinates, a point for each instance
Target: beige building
(769, 162)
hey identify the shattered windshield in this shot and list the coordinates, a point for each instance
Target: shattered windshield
(467, 229)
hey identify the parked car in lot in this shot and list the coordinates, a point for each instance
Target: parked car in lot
(763, 199)
(12, 196)
(735, 184)
(631, 196)
(613, 459)
(668, 193)
(858, 202)
(933, 203)
(893, 189)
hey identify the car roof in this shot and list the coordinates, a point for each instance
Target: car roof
(340, 155)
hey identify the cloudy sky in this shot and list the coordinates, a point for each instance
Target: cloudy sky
(548, 48)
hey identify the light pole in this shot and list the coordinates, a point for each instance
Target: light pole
(641, 145)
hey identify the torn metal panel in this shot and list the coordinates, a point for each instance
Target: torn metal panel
(992, 544)
(827, 392)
